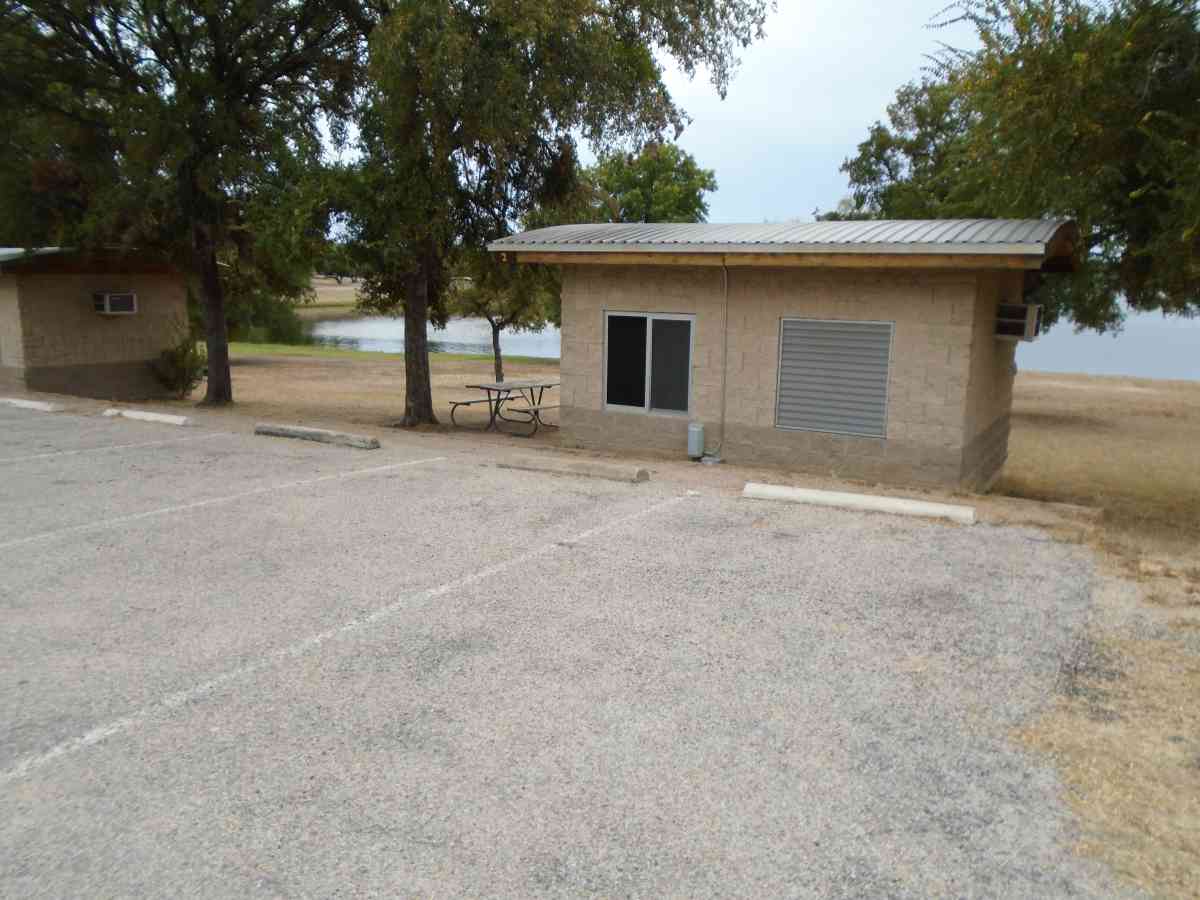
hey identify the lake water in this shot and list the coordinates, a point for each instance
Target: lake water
(384, 334)
(1150, 346)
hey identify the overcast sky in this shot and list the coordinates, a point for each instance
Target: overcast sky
(802, 100)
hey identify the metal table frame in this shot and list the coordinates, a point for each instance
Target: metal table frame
(501, 392)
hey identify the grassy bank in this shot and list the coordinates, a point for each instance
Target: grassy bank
(310, 351)
(327, 311)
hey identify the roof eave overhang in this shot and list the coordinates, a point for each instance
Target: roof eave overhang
(69, 261)
(912, 257)
(732, 250)
(1053, 251)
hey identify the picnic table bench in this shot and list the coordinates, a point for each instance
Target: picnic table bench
(499, 397)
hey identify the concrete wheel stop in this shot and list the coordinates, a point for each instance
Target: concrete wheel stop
(899, 506)
(581, 468)
(320, 435)
(142, 415)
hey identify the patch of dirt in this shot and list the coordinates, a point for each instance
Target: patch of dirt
(347, 391)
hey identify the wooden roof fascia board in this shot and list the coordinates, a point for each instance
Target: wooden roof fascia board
(96, 269)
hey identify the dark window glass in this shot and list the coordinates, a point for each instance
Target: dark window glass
(626, 377)
(670, 351)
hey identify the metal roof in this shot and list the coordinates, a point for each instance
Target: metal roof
(937, 236)
(12, 254)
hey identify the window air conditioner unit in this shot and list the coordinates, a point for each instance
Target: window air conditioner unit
(111, 303)
(1018, 321)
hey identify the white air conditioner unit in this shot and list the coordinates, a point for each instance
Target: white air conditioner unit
(1018, 321)
(112, 303)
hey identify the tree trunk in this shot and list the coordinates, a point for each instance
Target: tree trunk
(498, 359)
(418, 385)
(220, 384)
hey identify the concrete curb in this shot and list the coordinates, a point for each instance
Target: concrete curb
(583, 469)
(39, 405)
(963, 515)
(142, 415)
(320, 435)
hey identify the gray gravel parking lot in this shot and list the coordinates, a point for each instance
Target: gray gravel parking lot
(237, 666)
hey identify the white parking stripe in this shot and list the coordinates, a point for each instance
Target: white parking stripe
(184, 507)
(312, 642)
(194, 437)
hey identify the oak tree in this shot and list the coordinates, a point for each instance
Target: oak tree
(474, 113)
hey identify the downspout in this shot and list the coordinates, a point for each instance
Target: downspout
(715, 455)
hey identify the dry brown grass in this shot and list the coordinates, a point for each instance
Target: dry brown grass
(353, 388)
(330, 293)
(1126, 738)
(1130, 446)
(1125, 731)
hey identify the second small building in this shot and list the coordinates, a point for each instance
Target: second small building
(90, 324)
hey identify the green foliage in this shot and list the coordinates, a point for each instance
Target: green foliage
(181, 368)
(846, 211)
(521, 298)
(1077, 109)
(471, 117)
(159, 124)
(336, 260)
(911, 168)
(263, 318)
(517, 298)
(662, 183)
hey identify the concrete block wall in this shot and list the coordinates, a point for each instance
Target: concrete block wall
(69, 348)
(935, 316)
(12, 347)
(990, 388)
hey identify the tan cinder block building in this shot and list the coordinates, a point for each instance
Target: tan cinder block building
(86, 325)
(881, 351)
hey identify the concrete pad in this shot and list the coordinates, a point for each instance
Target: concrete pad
(111, 487)
(25, 433)
(320, 435)
(169, 601)
(37, 405)
(438, 679)
(556, 465)
(699, 699)
(897, 506)
(147, 416)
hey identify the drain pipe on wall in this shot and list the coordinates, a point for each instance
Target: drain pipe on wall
(714, 456)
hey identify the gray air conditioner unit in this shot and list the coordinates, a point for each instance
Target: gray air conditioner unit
(111, 303)
(1018, 321)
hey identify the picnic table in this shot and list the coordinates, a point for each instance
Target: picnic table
(501, 393)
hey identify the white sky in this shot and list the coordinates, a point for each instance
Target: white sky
(802, 100)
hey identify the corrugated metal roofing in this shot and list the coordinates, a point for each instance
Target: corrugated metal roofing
(954, 236)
